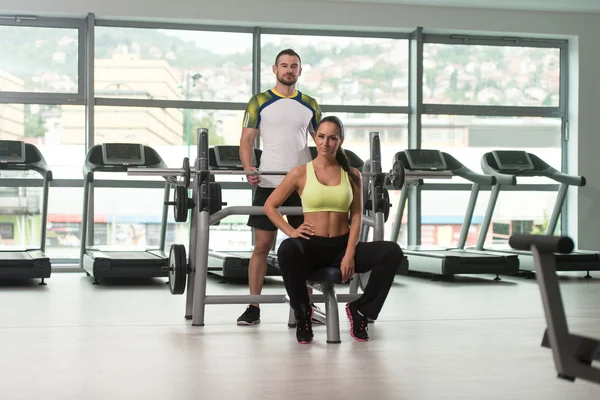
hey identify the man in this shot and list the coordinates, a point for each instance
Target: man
(284, 117)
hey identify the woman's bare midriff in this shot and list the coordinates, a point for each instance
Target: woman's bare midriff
(328, 223)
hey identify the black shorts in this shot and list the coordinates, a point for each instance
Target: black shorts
(262, 221)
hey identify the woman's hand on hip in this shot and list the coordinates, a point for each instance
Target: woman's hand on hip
(304, 231)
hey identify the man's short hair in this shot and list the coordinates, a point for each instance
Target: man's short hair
(287, 52)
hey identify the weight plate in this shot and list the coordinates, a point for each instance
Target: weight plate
(177, 269)
(181, 204)
(385, 204)
(216, 197)
(186, 173)
(398, 180)
(184, 268)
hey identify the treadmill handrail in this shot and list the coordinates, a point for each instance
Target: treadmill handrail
(454, 168)
(507, 177)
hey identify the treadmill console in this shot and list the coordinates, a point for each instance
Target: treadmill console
(228, 157)
(12, 151)
(425, 160)
(513, 160)
(123, 154)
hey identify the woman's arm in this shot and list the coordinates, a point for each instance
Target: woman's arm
(289, 184)
(355, 216)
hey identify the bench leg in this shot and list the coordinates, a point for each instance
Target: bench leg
(291, 319)
(332, 313)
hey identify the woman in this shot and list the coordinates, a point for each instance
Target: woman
(332, 204)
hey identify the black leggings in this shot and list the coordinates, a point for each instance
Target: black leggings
(299, 258)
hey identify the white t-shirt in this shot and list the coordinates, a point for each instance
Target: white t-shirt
(284, 124)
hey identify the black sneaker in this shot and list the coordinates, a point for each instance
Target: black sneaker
(304, 332)
(358, 323)
(250, 317)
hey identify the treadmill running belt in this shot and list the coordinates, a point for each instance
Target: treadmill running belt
(14, 255)
(130, 255)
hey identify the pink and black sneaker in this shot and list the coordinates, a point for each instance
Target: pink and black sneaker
(304, 332)
(358, 323)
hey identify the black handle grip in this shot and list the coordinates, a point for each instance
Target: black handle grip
(544, 244)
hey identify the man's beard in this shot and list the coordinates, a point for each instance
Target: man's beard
(289, 82)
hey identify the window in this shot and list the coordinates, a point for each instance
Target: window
(170, 131)
(491, 75)
(467, 138)
(20, 217)
(41, 60)
(58, 131)
(166, 64)
(392, 128)
(7, 232)
(443, 212)
(343, 70)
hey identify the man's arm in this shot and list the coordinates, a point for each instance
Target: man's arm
(247, 147)
(314, 123)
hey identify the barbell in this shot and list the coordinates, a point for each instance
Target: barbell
(396, 175)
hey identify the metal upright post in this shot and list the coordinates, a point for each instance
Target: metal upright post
(202, 183)
(558, 206)
(192, 252)
(487, 219)
(376, 186)
(163, 220)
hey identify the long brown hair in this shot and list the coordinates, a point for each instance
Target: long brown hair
(340, 155)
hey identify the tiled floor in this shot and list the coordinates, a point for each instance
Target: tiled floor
(472, 338)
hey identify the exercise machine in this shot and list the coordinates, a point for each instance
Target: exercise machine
(103, 262)
(573, 354)
(26, 263)
(448, 261)
(506, 166)
(192, 275)
(233, 264)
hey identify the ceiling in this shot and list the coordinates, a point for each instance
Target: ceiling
(536, 5)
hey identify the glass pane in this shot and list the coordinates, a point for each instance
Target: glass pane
(467, 138)
(130, 218)
(39, 59)
(170, 131)
(20, 208)
(392, 128)
(343, 70)
(233, 233)
(443, 213)
(63, 232)
(491, 75)
(58, 131)
(173, 65)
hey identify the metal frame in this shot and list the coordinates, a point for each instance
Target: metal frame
(573, 354)
(196, 297)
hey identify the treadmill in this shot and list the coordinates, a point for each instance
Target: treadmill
(106, 262)
(26, 263)
(447, 261)
(233, 264)
(506, 166)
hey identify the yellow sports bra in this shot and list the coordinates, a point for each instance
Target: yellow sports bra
(318, 197)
